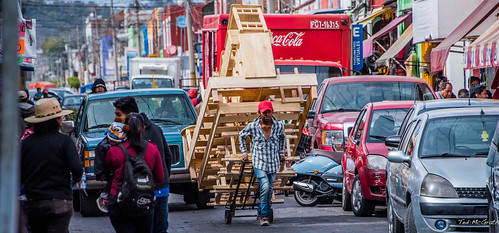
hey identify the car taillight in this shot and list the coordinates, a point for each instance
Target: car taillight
(333, 138)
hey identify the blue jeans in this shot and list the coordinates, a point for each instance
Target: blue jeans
(160, 213)
(266, 181)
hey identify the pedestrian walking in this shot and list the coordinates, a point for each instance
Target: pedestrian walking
(98, 86)
(479, 91)
(444, 90)
(135, 144)
(48, 161)
(126, 105)
(25, 110)
(38, 95)
(267, 150)
(115, 134)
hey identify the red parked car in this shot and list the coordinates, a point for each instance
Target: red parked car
(365, 159)
(340, 100)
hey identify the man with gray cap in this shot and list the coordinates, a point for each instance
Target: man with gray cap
(25, 110)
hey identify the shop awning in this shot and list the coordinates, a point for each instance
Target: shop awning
(375, 14)
(440, 53)
(368, 43)
(401, 42)
(482, 52)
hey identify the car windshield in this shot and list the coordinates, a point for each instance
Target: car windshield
(354, 95)
(458, 136)
(322, 72)
(73, 100)
(384, 123)
(172, 109)
(139, 83)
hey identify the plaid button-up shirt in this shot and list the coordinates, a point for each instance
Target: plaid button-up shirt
(265, 153)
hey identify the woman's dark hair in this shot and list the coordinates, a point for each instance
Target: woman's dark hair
(473, 79)
(476, 90)
(135, 135)
(46, 126)
(462, 92)
(126, 104)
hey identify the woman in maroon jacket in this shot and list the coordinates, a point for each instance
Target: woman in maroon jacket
(115, 161)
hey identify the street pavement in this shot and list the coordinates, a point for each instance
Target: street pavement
(288, 217)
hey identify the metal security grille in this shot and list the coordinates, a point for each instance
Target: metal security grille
(175, 149)
(471, 192)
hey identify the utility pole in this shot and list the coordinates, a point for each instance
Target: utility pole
(115, 45)
(9, 145)
(137, 30)
(270, 7)
(190, 43)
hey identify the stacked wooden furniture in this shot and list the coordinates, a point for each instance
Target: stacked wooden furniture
(211, 148)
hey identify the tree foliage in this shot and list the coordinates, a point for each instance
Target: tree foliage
(74, 82)
(53, 45)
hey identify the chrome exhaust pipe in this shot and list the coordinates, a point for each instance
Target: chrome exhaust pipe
(305, 187)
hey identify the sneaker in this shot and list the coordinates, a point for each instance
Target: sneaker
(258, 217)
(102, 204)
(264, 221)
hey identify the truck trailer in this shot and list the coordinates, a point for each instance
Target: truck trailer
(319, 44)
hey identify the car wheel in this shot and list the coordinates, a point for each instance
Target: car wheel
(88, 206)
(360, 206)
(203, 199)
(492, 217)
(394, 225)
(409, 225)
(304, 198)
(346, 198)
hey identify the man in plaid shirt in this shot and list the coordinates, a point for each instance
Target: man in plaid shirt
(267, 149)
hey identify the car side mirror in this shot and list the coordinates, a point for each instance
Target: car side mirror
(349, 130)
(392, 141)
(398, 156)
(311, 114)
(67, 127)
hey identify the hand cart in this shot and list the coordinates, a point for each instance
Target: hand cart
(244, 196)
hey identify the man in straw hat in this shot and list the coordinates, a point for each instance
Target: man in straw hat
(47, 159)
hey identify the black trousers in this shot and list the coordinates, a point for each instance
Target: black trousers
(51, 216)
(126, 224)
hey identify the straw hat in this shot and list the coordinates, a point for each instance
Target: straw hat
(46, 109)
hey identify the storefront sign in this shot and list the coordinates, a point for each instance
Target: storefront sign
(357, 37)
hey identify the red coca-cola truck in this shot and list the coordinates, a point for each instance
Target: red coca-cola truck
(319, 44)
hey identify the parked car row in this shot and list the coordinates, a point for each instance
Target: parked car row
(432, 163)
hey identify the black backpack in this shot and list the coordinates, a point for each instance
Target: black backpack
(136, 196)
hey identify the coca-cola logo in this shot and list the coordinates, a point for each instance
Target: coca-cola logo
(292, 39)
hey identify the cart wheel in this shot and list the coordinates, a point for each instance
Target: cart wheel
(228, 217)
(271, 216)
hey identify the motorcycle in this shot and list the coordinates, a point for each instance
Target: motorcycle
(319, 178)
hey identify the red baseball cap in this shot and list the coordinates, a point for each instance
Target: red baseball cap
(265, 105)
(192, 93)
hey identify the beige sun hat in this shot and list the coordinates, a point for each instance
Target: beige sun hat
(46, 109)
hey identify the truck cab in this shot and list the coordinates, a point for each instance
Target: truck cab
(151, 81)
(169, 108)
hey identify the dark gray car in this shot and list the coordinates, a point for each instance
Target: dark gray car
(436, 179)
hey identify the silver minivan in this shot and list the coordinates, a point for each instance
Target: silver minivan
(436, 179)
